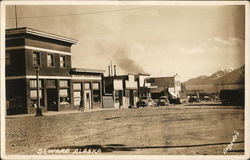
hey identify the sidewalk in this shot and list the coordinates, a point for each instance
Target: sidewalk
(52, 113)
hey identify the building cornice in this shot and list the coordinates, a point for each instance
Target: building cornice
(40, 33)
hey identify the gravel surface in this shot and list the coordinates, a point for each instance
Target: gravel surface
(195, 129)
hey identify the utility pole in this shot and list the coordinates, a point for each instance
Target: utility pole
(16, 16)
(37, 87)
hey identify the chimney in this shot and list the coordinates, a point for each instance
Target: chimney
(114, 70)
(109, 70)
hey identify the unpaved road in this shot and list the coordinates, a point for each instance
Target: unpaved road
(197, 129)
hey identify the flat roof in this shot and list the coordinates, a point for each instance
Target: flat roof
(86, 70)
(39, 33)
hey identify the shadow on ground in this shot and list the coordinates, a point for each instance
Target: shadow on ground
(122, 147)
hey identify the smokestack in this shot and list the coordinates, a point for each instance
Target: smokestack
(109, 70)
(114, 70)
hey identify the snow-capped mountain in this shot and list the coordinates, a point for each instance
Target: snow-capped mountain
(208, 79)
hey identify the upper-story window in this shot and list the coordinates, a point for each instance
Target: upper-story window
(36, 59)
(7, 58)
(50, 60)
(62, 61)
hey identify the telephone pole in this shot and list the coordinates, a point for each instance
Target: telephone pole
(16, 16)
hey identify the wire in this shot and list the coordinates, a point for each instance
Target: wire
(76, 14)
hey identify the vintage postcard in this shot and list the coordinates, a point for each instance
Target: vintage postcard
(125, 80)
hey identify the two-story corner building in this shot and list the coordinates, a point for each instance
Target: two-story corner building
(166, 85)
(87, 87)
(123, 88)
(29, 50)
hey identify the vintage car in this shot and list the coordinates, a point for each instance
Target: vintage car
(163, 101)
(145, 102)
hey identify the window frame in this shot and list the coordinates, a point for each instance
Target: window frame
(64, 62)
(39, 58)
(52, 60)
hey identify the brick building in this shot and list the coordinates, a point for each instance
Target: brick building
(29, 50)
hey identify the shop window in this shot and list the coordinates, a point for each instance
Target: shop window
(64, 96)
(33, 97)
(62, 61)
(36, 59)
(50, 60)
(95, 86)
(77, 98)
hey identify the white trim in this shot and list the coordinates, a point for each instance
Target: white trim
(38, 49)
(86, 78)
(34, 77)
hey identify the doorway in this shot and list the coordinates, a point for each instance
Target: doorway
(52, 99)
(131, 97)
(87, 99)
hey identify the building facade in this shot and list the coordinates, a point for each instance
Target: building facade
(123, 89)
(87, 87)
(166, 85)
(35, 58)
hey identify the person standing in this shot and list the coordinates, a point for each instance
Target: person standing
(38, 110)
(81, 106)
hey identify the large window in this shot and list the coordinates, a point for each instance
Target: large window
(64, 91)
(36, 59)
(33, 92)
(62, 61)
(50, 60)
(96, 92)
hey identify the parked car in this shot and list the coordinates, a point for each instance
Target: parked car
(193, 99)
(207, 98)
(163, 101)
(145, 102)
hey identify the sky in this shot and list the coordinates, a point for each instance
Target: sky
(159, 40)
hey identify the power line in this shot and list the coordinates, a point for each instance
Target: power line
(83, 13)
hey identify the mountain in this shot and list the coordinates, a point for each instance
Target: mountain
(208, 79)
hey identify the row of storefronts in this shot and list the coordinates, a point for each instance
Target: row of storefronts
(38, 64)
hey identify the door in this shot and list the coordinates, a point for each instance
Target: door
(52, 99)
(131, 97)
(87, 99)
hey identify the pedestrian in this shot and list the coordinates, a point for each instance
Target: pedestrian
(81, 107)
(38, 110)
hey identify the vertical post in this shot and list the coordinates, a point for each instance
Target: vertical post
(16, 15)
(37, 87)
(114, 70)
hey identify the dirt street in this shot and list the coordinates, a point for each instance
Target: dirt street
(194, 129)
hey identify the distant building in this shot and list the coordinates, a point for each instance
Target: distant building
(143, 85)
(87, 87)
(166, 85)
(123, 89)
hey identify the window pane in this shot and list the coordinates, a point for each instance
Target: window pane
(62, 61)
(77, 94)
(86, 86)
(36, 58)
(33, 83)
(63, 83)
(51, 83)
(63, 93)
(33, 94)
(77, 86)
(95, 86)
(50, 60)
